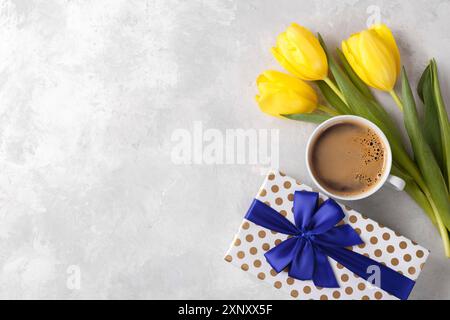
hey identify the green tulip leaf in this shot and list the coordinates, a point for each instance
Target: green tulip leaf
(431, 126)
(413, 190)
(420, 86)
(424, 156)
(332, 98)
(443, 121)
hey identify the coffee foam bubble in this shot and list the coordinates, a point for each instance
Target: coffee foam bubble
(373, 151)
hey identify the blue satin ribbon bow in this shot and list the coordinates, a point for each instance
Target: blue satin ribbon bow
(315, 237)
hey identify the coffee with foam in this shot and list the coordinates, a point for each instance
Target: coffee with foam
(347, 159)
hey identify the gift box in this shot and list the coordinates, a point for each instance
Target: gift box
(326, 263)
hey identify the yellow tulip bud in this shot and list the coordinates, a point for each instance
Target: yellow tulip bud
(374, 56)
(281, 94)
(300, 53)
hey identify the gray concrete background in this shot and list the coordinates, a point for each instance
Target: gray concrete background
(91, 93)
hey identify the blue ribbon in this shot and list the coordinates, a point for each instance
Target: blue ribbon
(313, 238)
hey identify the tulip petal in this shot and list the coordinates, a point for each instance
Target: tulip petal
(301, 34)
(374, 56)
(284, 103)
(301, 54)
(350, 48)
(284, 63)
(261, 78)
(293, 56)
(297, 85)
(289, 49)
(312, 54)
(386, 35)
(280, 93)
(377, 60)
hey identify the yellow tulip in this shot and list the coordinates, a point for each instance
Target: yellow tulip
(281, 94)
(300, 53)
(374, 56)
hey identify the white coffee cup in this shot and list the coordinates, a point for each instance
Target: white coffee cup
(386, 177)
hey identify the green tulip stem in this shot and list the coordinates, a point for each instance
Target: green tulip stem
(441, 227)
(439, 223)
(327, 110)
(432, 210)
(397, 100)
(336, 90)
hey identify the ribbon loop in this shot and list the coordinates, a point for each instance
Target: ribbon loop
(279, 257)
(328, 215)
(315, 238)
(305, 208)
(266, 217)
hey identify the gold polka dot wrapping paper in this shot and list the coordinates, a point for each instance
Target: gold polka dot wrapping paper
(380, 244)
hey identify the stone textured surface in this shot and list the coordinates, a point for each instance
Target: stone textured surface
(90, 95)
